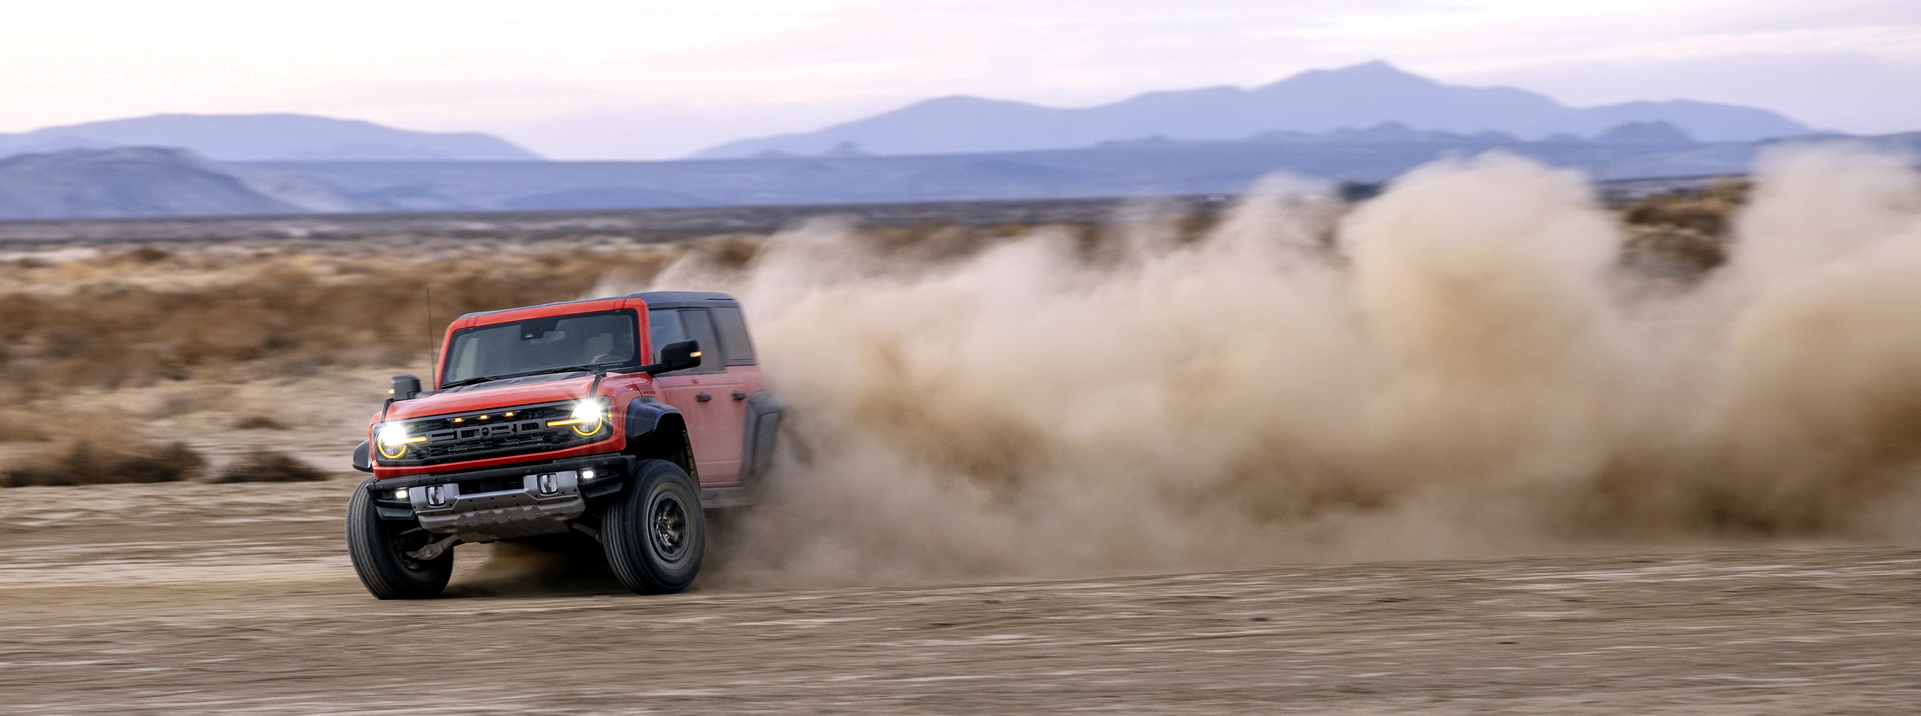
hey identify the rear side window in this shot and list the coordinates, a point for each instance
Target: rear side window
(734, 343)
(700, 327)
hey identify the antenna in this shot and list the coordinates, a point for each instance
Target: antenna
(433, 349)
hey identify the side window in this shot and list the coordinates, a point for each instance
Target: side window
(700, 327)
(663, 327)
(738, 349)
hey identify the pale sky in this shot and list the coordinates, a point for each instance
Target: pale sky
(574, 79)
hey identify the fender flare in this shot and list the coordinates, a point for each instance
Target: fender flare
(647, 418)
(645, 415)
(363, 458)
(764, 412)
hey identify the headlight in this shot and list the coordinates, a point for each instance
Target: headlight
(395, 434)
(588, 411)
(587, 417)
(392, 440)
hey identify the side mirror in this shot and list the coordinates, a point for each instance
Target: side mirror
(406, 386)
(679, 355)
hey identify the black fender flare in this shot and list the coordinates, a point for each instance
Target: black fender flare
(645, 416)
(658, 430)
(764, 412)
(363, 457)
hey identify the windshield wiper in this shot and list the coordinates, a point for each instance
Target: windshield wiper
(471, 381)
(574, 368)
(544, 371)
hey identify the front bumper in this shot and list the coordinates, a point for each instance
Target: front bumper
(502, 503)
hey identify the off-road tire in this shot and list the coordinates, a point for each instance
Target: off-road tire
(655, 533)
(374, 545)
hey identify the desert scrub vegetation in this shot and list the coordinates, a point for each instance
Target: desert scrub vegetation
(110, 317)
(1682, 234)
(89, 463)
(258, 422)
(114, 316)
(105, 319)
(269, 466)
(133, 317)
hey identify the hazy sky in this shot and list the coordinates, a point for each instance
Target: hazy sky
(580, 79)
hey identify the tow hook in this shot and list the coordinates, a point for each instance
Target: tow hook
(433, 551)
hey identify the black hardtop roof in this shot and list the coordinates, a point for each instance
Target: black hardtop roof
(684, 299)
(654, 299)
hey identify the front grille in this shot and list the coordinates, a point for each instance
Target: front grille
(507, 431)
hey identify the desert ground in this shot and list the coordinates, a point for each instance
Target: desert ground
(209, 591)
(239, 599)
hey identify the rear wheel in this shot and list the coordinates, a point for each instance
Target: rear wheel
(655, 533)
(379, 551)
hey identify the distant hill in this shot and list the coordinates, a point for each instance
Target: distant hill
(269, 137)
(1364, 95)
(154, 182)
(146, 181)
(1147, 167)
(1644, 133)
(1150, 167)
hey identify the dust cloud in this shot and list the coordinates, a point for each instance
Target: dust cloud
(1459, 367)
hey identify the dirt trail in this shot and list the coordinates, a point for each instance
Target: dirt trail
(191, 598)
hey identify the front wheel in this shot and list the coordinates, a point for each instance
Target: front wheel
(379, 548)
(655, 533)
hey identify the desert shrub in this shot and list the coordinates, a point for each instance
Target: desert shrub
(146, 255)
(1682, 234)
(22, 427)
(258, 422)
(87, 463)
(270, 466)
(736, 252)
(1705, 217)
(1708, 212)
(1672, 252)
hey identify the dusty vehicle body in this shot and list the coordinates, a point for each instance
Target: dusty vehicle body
(622, 419)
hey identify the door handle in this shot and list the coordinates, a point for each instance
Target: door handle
(739, 395)
(703, 397)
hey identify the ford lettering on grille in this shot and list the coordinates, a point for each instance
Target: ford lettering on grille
(465, 436)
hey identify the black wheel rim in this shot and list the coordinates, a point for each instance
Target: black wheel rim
(667, 526)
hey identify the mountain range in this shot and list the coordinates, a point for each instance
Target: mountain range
(268, 137)
(1366, 123)
(132, 181)
(167, 182)
(151, 181)
(1362, 95)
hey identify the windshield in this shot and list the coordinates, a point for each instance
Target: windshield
(542, 345)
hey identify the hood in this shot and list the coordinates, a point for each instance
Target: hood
(499, 394)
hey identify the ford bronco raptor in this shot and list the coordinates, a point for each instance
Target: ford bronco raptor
(622, 419)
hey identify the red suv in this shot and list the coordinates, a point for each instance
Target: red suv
(619, 418)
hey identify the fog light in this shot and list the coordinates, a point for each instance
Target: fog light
(400, 494)
(587, 474)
